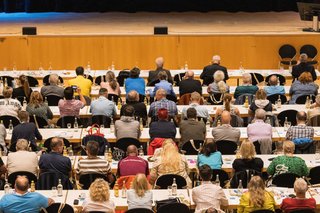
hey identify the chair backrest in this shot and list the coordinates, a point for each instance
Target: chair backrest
(53, 100)
(101, 119)
(314, 175)
(87, 179)
(314, 121)
(287, 51)
(190, 149)
(123, 143)
(290, 115)
(113, 97)
(63, 121)
(216, 99)
(88, 77)
(142, 98)
(6, 120)
(47, 180)
(177, 78)
(139, 210)
(174, 208)
(310, 50)
(166, 180)
(223, 176)
(242, 98)
(153, 83)
(21, 99)
(12, 177)
(263, 211)
(9, 80)
(274, 98)
(281, 78)
(45, 80)
(302, 99)
(55, 207)
(39, 121)
(99, 79)
(226, 147)
(274, 122)
(306, 148)
(101, 140)
(236, 121)
(171, 98)
(284, 180)
(47, 142)
(303, 211)
(33, 82)
(256, 78)
(257, 147)
(244, 176)
(123, 74)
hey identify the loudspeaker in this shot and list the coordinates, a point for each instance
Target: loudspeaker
(161, 30)
(29, 31)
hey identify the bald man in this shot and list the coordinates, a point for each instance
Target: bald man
(208, 71)
(226, 131)
(162, 102)
(189, 84)
(132, 164)
(273, 87)
(22, 200)
(153, 74)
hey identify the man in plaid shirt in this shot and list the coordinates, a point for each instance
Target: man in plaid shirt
(301, 133)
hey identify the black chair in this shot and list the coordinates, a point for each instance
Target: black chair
(53, 100)
(139, 210)
(257, 147)
(55, 207)
(256, 78)
(87, 98)
(274, 98)
(13, 176)
(1, 97)
(306, 148)
(153, 83)
(113, 97)
(6, 120)
(242, 98)
(123, 74)
(45, 80)
(314, 175)
(281, 78)
(311, 51)
(274, 122)
(33, 82)
(88, 77)
(236, 121)
(63, 121)
(39, 121)
(101, 140)
(216, 99)
(171, 98)
(142, 98)
(12, 147)
(303, 211)
(47, 180)
(21, 99)
(177, 78)
(174, 208)
(47, 142)
(223, 176)
(303, 98)
(284, 180)
(123, 143)
(166, 180)
(244, 176)
(101, 119)
(263, 211)
(99, 79)
(226, 147)
(290, 114)
(287, 54)
(189, 149)
(87, 179)
(8, 79)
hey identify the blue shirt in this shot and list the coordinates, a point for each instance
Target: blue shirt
(164, 85)
(297, 89)
(136, 84)
(30, 202)
(272, 90)
(103, 106)
(214, 160)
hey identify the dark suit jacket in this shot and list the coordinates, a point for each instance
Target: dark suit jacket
(208, 72)
(153, 75)
(189, 86)
(162, 129)
(27, 131)
(303, 67)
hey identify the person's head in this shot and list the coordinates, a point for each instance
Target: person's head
(128, 111)
(23, 116)
(209, 147)
(99, 190)
(301, 117)
(305, 78)
(7, 92)
(53, 79)
(216, 59)
(103, 92)
(261, 95)
(300, 187)
(140, 184)
(22, 145)
(133, 96)
(256, 190)
(227, 98)
(273, 80)
(159, 62)
(135, 72)
(79, 71)
(21, 184)
(92, 148)
(162, 75)
(225, 117)
(195, 97)
(170, 157)
(163, 114)
(218, 76)
(303, 58)
(36, 99)
(288, 147)
(205, 172)
(246, 78)
(23, 81)
(132, 150)
(68, 93)
(160, 94)
(318, 99)
(56, 144)
(189, 74)
(247, 150)
(260, 114)
(191, 113)
(110, 76)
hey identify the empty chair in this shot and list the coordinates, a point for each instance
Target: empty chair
(12, 177)
(47, 180)
(33, 82)
(244, 176)
(101, 120)
(311, 51)
(306, 148)
(314, 175)
(192, 147)
(53, 100)
(139, 210)
(290, 115)
(257, 78)
(39, 121)
(87, 179)
(58, 207)
(123, 143)
(226, 147)
(223, 176)
(45, 80)
(242, 98)
(177, 78)
(284, 180)
(281, 78)
(99, 79)
(6, 120)
(216, 99)
(303, 98)
(174, 208)
(166, 180)
(48, 141)
(7, 79)
(114, 98)
(287, 54)
(274, 98)
(64, 121)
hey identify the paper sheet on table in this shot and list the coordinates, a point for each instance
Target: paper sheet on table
(64, 134)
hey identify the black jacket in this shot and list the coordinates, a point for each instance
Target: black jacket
(153, 76)
(208, 72)
(190, 86)
(303, 67)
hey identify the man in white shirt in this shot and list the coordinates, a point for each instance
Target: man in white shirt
(9, 106)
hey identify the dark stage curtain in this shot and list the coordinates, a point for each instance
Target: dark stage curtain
(148, 5)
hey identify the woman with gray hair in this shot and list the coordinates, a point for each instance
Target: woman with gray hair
(218, 85)
(300, 201)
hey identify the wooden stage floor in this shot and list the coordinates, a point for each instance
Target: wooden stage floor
(142, 23)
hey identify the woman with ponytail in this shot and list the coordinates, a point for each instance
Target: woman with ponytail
(228, 106)
(23, 89)
(111, 84)
(140, 196)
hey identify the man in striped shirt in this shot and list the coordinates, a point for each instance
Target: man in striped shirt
(94, 164)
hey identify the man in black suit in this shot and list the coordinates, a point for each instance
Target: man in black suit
(303, 66)
(208, 71)
(189, 85)
(153, 74)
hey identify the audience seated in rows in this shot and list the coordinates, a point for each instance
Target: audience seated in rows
(153, 74)
(53, 88)
(23, 89)
(103, 106)
(258, 129)
(195, 100)
(260, 102)
(134, 82)
(127, 126)
(315, 108)
(164, 84)
(226, 131)
(139, 196)
(209, 155)
(111, 84)
(162, 102)
(209, 71)
(163, 128)
(246, 87)
(218, 85)
(303, 66)
(140, 109)
(70, 106)
(8, 105)
(38, 108)
(81, 82)
(274, 87)
(227, 106)
(189, 84)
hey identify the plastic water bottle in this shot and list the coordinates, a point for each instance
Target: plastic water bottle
(24, 104)
(141, 153)
(6, 187)
(174, 188)
(10, 126)
(217, 181)
(76, 125)
(112, 126)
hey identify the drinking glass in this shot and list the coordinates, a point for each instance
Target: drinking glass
(69, 125)
(54, 191)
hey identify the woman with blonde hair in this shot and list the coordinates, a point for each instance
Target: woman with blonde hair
(37, 107)
(24, 89)
(139, 196)
(228, 106)
(111, 84)
(256, 198)
(218, 85)
(99, 199)
(170, 162)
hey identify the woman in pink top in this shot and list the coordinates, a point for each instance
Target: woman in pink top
(111, 84)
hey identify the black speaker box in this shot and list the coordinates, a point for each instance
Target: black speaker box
(29, 31)
(161, 30)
